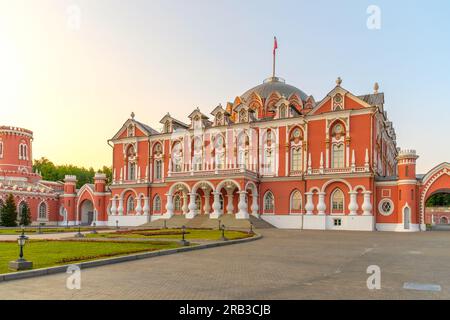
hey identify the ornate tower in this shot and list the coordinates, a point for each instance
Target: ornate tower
(70, 194)
(407, 189)
(100, 198)
(15, 151)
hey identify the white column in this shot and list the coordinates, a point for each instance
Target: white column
(230, 206)
(113, 207)
(207, 206)
(353, 205)
(353, 161)
(192, 212)
(120, 209)
(138, 206)
(366, 161)
(216, 206)
(185, 204)
(242, 206)
(169, 207)
(146, 208)
(309, 206)
(321, 162)
(367, 206)
(255, 205)
(309, 164)
(321, 206)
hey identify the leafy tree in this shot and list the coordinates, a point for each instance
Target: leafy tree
(439, 200)
(52, 172)
(25, 215)
(8, 213)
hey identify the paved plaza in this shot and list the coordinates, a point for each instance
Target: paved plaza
(285, 264)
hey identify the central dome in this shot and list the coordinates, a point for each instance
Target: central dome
(274, 84)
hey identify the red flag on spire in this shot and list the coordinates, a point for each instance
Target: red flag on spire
(275, 44)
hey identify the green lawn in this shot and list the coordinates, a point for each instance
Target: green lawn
(34, 230)
(46, 253)
(191, 234)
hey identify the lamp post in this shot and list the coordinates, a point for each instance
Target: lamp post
(220, 223)
(165, 224)
(117, 224)
(21, 263)
(251, 228)
(79, 234)
(39, 229)
(183, 241)
(94, 231)
(223, 233)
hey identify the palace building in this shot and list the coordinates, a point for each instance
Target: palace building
(274, 153)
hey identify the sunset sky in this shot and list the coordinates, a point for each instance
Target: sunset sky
(75, 84)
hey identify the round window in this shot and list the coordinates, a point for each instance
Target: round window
(386, 207)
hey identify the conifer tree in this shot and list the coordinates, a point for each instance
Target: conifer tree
(8, 214)
(25, 215)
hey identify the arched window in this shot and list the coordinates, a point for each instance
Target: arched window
(177, 202)
(296, 201)
(25, 152)
(131, 154)
(158, 169)
(269, 153)
(296, 159)
(338, 145)
(269, 202)
(130, 204)
(283, 111)
(197, 157)
(130, 130)
(157, 204)
(219, 149)
(177, 157)
(243, 150)
(337, 201)
(42, 210)
(337, 156)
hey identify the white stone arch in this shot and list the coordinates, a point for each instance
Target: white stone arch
(198, 184)
(222, 183)
(326, 184)
(314, 189)
(358, 187)
(252, 186)
(184, 184)
(126, 190)
(428, 180)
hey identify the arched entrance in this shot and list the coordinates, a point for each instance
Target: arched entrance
(406, 218)
(86, 212)
(435, 185)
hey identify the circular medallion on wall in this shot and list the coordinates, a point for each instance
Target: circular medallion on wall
(386, 207)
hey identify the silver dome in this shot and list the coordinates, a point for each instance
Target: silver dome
(274, 84)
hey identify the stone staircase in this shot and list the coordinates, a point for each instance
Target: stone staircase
(204, 222)
(260, 223)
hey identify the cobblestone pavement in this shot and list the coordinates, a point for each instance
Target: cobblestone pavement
(285, 264)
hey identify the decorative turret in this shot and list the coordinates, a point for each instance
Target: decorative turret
(15, 150)
(100, 182)
(407, 164)
(407, 188)
(70, 193)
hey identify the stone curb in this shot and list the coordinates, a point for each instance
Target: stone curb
(104, 262)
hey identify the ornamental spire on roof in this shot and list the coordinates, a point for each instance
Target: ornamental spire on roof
(275, 47)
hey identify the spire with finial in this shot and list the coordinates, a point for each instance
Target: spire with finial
(375, 88)
(132, 115)
(339, 81)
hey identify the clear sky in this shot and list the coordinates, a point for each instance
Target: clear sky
(74, 84)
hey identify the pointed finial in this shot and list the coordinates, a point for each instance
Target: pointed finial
(376, 87)
(338, 81)
(132, 115)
